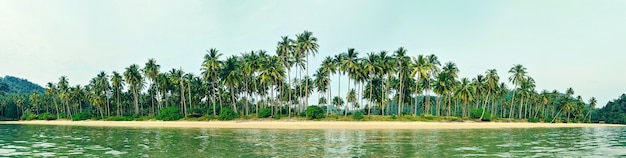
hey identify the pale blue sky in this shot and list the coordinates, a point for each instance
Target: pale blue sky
(563, 43)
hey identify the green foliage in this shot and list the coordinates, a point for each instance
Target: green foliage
(534, 119)
(314, 112)
(47, 116)
(227, 114)
(28, 116)
(547, 120)
(614, 112)
(195, 112)
(394, 117)
(171, 113)
(265, 113)
(476, 113)
(81, 116)
(357, 116)
(19, 85)
(120, 118)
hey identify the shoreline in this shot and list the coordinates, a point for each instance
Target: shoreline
(363, 125)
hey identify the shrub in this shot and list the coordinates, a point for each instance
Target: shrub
(81, 116)
(393, 117)
(170, 113)
(547, 120)
(47, 116)
(265, 113)
(227, 114)
(195, 112)
(533, 119)
(357, 116)
(314, 112)
(28, 116)
(120, 118)
(475, 114)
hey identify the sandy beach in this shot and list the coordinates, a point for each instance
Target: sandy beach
(307, 124)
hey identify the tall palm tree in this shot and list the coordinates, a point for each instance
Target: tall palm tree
(133, 78)
(337, 101)
(434, 62)
(151, 72)
(464, 92)
(592, 105)
(337, 62)
(329, 67)
(102, 83)
(211, 67)
(518, 72)
(387, 67)
(231, 73)
(371, 67)
(349, 64)
(307, 44)
(118, 83)
(402, 61)
(420, 69)
(491, 86)
(284, 49)
(64, 94)
(272, 72)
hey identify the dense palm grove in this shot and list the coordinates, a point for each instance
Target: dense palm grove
(385, 83)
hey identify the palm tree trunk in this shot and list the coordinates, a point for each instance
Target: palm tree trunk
(232, 96)
(521, 105)
(400, 108)
(307, 82)
(136, 102)
(369, 109)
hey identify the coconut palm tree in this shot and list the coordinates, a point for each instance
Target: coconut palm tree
(387, 67)
(118, 83)
(231, 73)
(491, 86)
(64, 94)
(321, 82)
(349, 64)
(284, 49)
(337, 101)
(351, 98)
(371, 67)
(402, 62)
(133, 78)
(592, 105)
(272, 72)
(307, 45)
(518, 73)
(420, 69)
(464, 93)
(211, 67)
(434, 69)
(151, 72)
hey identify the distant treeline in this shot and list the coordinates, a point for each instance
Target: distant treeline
(614, 112)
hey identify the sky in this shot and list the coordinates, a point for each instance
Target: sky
(562, 43)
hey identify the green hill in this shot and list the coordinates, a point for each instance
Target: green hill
(11, 84)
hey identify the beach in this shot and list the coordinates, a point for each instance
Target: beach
(308, 124)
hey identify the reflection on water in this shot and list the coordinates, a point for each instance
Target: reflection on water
(73, 141)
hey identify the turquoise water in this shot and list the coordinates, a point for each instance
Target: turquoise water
(75, 141)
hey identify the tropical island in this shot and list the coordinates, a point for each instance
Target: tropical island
(259, 86)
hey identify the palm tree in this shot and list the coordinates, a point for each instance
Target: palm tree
(349, 64)
(387, 67)
(464, 92)
(491, 86)
(272, 72)
(231, 73)
(337, 101)
(434, 62)
(421, 68)
(518, 72)
(321, 82)
(64, 94)
(337, 62)
(35, 99)
(102, 85)
(211, 67)
(371, 66)
(351, 98)
(307, 44)
(117, 82)
(284, 49)
(151, 71)
(402, 62)
(133, 78)
(592, 105)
